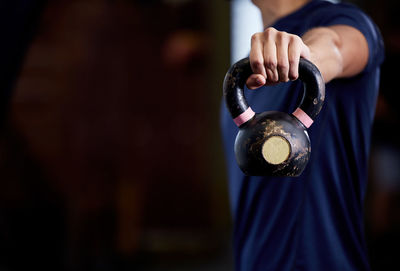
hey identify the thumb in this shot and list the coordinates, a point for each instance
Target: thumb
(255, 81)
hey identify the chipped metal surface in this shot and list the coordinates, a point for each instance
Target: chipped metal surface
(250, 139)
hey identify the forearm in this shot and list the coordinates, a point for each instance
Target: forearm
(338, 51)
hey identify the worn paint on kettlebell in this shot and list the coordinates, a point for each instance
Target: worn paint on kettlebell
(273, 143)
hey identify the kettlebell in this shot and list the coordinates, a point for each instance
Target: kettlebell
(273, 143)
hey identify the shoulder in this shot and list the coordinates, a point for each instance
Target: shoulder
(326, 13)
(319, 13)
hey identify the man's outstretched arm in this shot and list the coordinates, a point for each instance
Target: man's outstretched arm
(338, 51)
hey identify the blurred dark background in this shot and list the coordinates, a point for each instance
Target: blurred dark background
(110, 151)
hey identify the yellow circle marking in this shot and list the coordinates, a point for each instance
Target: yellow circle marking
(276, 150)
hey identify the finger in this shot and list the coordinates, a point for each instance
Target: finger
(270, 59)
(256, 55)
(282, 43)
(271, 76)
(294, 53)
(305, 51)
(255, 81)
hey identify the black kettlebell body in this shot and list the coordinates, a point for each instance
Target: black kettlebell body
(273, 143)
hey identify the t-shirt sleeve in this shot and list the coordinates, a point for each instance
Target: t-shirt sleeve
(347, 14)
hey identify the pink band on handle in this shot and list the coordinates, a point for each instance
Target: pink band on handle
(303, 117)
(244, 117)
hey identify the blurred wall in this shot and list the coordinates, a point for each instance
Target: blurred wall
(245, 21)
(111, 153)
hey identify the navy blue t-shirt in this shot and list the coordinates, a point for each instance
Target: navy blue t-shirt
(315, 221)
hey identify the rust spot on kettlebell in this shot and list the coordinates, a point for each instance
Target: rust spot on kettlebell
(272, 127)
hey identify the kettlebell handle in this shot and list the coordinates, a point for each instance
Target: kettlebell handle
(309, 108)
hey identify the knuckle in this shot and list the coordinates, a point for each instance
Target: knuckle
(255, 37)
(270, 63)
(282, 35)
(256, 64)
(270, 31)
(283, 66)
(295, 39)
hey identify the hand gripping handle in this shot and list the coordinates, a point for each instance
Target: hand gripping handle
(309, 108)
